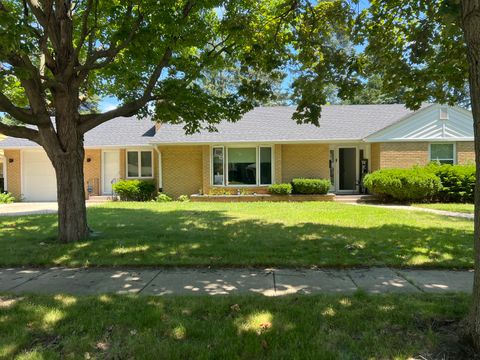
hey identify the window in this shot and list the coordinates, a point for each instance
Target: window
(265, 165)
(139, 164)
(240, 166)
(443, 153)
(218, 173)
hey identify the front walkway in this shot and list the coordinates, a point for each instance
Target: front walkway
(268, 282)
(414, 208)
(30, 208)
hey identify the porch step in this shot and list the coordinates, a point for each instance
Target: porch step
(100, 198)
(356, 198)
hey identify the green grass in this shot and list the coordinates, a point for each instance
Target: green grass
(462, 208)
(244, 234)
(245, 327)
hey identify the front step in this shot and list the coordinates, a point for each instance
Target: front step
(356, 198)
(100, 198)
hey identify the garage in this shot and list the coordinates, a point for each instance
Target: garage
(38, 177)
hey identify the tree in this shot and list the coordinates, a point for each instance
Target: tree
(431, 48)
(155, 57)
(371, 92)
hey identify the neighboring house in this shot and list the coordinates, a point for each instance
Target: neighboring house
(264, 147)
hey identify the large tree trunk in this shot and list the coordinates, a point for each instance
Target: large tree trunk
(471, 29)
(72, 214)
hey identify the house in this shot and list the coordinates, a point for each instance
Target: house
(264, 147)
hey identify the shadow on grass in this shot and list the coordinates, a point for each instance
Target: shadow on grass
(316, 327)
(187, 237)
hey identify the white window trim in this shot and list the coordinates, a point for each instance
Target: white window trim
(257, 164)
(139, 151)
(442, 143)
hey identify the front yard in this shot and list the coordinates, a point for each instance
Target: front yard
(244, 234)
(243, 327)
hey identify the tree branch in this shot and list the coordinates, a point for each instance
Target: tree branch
(89, 121)
(17, 113)
(20, 132)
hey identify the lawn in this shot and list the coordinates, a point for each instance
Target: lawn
(246, 327)
(244, 234)
(462, 208)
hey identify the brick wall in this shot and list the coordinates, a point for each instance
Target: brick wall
(93, 170)
(408, 154)
(465, 152)
(403, 155)
(14, 172)
(305, 160)
(182, 169)
(375, 157)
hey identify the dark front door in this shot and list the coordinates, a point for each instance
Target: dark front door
(347, 166)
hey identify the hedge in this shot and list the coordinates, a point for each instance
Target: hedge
(280, 189)
(458, 182)
(310, 186)
(416, 184)
(135, 190)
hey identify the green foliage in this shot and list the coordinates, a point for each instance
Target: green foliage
(417, 46)
(415, 184)
(183, 198)
(135, 190)
(280, 189)
(6, 198)
(458, 182)
(310, 186)
(163, 198)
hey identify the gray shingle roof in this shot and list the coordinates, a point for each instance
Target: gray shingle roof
(121, 131)
(263, 124)
(269, 124)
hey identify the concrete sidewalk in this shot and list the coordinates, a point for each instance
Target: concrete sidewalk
(268, 282)
(415, 208)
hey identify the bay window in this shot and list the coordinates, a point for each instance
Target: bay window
(139, 164)
(443, 153)
(242, 166)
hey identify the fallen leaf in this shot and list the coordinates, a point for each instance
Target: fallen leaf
(235, 307)
(264, 344)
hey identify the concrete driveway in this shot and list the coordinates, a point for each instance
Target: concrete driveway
(29, 208)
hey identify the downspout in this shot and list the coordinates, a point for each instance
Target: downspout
(160, 180)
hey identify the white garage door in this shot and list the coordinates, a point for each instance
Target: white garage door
(38, 174)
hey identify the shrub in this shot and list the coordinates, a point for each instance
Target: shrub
(458, 182)
(6, 198)
(219, 191)
(310, 186)
(280, 189)
(163, 198)
(414, 184)
(135, 190)
(183, 198)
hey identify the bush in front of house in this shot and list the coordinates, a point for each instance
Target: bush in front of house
(135, 190)
(6, 198)
(183, 198)
(163, 198)
(310, 186)
(458, 182)
(415, 184)
(280, 189)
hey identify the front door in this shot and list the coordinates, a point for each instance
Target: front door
(111, 170)
(347, 169)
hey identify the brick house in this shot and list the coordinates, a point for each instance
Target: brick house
(264, 147)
